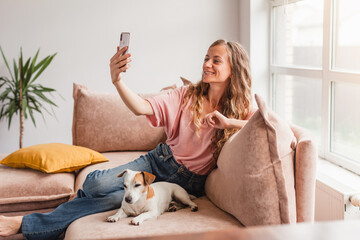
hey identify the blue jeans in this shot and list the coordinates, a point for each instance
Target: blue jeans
(104, 191)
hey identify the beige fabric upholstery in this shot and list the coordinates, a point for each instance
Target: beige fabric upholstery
(208, 218)
(254, 180)
(28, 189)
(103, 123)
(305, 174)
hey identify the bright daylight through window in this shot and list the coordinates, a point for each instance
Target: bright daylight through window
(315, 73)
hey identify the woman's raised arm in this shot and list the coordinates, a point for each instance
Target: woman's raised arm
(119, 63)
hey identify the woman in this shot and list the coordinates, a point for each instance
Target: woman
(198, 120)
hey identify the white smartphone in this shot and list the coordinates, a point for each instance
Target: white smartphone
(124, 41)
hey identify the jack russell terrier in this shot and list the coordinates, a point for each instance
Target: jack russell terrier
(145, 199)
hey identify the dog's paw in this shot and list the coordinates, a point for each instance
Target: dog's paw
(194, 208)
(172, 208)
(175, 206)
(136, 221)
(112, 219)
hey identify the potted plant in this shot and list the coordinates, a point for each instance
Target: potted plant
(21, 94)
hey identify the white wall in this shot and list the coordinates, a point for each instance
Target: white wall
(169, 38)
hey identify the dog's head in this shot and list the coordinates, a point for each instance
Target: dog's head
(136, 185)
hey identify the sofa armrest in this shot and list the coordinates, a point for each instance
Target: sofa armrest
(305, 174)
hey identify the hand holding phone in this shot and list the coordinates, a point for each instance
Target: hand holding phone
(120, 63)
(124, 41)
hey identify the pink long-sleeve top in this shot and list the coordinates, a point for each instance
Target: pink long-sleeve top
(189, 149)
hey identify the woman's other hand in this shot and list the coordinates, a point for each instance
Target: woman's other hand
(119, 63)
(216, 120)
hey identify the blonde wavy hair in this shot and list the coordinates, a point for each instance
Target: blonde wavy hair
(236, 101)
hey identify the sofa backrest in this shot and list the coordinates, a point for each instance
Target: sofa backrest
(102, 122)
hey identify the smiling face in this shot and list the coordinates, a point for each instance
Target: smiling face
(216, 67)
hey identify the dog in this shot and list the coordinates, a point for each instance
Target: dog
(144, 199)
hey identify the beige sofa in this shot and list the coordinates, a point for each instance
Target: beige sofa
(265, 174)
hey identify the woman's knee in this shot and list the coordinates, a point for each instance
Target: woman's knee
(91, 179)
(99, 183)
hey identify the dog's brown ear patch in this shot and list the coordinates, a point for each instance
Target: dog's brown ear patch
(122, 173)
(139, 178)
(150, 193)
(148, 177)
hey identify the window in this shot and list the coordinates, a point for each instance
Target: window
(315, 73)
(292, 92)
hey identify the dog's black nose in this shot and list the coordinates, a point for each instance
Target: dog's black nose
(128, 199)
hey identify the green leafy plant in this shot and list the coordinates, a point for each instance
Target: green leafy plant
(21, 94)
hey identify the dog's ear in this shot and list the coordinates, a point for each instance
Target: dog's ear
(122, 173)
(148, 177)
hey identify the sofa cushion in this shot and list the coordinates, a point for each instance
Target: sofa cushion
(53, 158)
(27, 189)
(102, 122)
(254, 180)
(207, 218)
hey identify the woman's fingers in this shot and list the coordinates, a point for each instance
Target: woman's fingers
(125, 67)
(121, 63)
(118, 56)
(216, 119)
(121, 51)
(118, 59)
(209, 119)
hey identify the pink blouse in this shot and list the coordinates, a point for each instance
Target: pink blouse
(189, 149)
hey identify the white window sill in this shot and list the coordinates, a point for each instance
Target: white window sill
(337, 177)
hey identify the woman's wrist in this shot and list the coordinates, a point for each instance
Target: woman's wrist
(117, 84)
(117, 81)
(236, 123)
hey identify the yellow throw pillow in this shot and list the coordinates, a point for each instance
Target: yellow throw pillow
(53, 158)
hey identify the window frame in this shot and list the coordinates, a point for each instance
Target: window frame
(327, 74)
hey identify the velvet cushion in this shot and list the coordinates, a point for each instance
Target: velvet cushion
(254, 180)
(53, 158)
(102, 122)
(27, 189)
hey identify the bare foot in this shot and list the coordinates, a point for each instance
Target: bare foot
(10, 225)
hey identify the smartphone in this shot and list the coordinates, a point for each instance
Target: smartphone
(124, 41)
